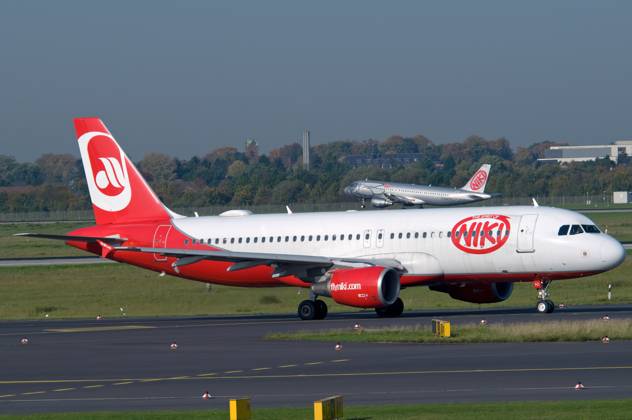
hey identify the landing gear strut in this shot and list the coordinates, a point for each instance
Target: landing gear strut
(545, 305)
(362, 203)
(393, 310)
(312, 309)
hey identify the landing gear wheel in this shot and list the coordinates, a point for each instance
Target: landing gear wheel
(307, 310)
(391, 311)
(546, 306)
(321, 309)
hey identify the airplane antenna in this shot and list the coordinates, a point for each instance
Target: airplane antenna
(196, 214)
(289, 210)
(535, 203)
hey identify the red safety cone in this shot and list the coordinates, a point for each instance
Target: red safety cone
(206, 395)
(24, 341)
(338, 346)
(579, 386)
(173, 346)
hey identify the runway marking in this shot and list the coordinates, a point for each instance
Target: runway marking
(63, 389)
(313, 363)
(287, 366)
(233, 371)
(334, 374)
(206, 374)
(123, 383)
(33, 393)
(7, 395)
(340, 360)
(99, 329)
(93, 386)
(262, 368)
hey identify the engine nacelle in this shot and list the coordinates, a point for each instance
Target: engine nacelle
(477, 292)
(367, 287)
(381, 202)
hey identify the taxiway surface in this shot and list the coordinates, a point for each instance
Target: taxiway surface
(127, 364)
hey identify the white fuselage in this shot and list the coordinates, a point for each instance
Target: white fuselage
(423, 240)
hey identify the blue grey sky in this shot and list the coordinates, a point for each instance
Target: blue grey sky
(186, 77)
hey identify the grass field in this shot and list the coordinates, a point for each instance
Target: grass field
(558, 410)
(87, 290)
(584, 330)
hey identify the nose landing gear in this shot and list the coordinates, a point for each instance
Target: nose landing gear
(545, 305)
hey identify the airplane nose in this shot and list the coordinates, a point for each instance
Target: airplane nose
(612, 252)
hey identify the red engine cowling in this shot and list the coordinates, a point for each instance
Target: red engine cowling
(369, 287)
(477, 292)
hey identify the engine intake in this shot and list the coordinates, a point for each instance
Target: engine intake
(367, 287)
(381, 202)
(477, 292)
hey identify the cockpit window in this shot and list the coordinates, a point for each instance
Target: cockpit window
(591, 229)
(576, 229)
(563, 230)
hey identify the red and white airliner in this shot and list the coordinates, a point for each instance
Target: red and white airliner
(360, 259)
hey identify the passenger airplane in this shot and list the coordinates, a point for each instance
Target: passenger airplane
(359, 259)
(384, 194)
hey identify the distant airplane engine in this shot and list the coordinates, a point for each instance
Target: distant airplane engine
(477, 292)
(370, 287)
(381, 202)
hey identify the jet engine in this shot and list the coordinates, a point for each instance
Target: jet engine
(367, 287)
(477, 292)
(381, 202)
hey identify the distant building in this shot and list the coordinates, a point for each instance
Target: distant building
(306, 146)
(616, 152)
(383, 161)
(251, 150)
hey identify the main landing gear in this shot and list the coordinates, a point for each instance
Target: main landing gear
(362, 203)
(393, 310)
(312, 309)
(545, 305)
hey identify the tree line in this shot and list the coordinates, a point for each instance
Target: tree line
(228, 176)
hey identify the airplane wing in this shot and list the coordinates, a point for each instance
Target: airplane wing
(307, 267)
(405, 199)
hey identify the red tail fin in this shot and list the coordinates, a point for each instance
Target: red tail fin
(118, 191)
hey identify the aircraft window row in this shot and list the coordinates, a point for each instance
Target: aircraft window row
(278, 239)
(577, 229)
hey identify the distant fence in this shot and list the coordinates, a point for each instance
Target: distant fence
(574, 202)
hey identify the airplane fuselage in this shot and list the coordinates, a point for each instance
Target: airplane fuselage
(412, 194)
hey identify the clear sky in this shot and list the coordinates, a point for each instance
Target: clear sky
(185, 77)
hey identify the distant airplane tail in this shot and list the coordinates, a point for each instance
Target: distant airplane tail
(118, 191)
(479, 180)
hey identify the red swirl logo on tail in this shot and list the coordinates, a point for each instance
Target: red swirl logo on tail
(481, 234)
(478, 180)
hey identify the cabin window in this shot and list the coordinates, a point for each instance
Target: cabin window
(310, 238)
(287, 239)
(392, 235)
(424, 235)
(591, 229)
(441, 234)
(224, 240)
(379, 235)
(400, 235)
(248, 240)
(239, 240)
(317, 238)
(194, 241)
(342, 237)
(255, 239)
(367, 236)
(563, 230)
(186, 242)
(408, 235)
(232, 240)
(326, 237)
(302, 238)
(263, 239)
(432, 234)
(358, 237)
(576, 229)
(333, 237)
(416, 235)
(216, 241)
(448, 234)
(278, 239)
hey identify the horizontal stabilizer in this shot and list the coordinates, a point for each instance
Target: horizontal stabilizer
(107, 240)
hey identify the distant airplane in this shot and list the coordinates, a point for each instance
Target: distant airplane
(384, 194)
(360, 259)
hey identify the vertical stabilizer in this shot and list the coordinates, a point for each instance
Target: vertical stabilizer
(479, 180)
(118, 192)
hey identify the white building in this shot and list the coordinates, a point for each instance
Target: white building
(565, 154)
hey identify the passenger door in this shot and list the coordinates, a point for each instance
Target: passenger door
(525, 233)
(160, 240)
